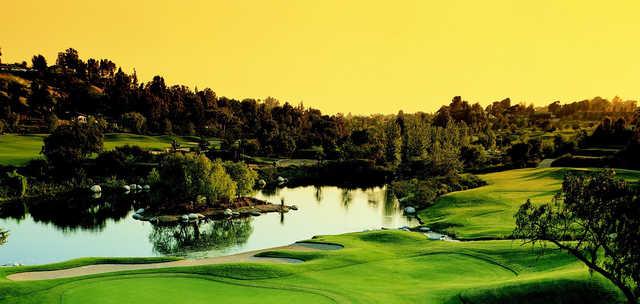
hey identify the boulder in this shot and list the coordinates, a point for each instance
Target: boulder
(138, 187)
(137, 216)
(192, 216)
(96, 195)
(281, 180)
(236, 213)
(228, 212)
(96, 188)
(424, 229)
(293, 207)
(141, 210)
(255, 213)
(409, 210)
(200, 216)
(126, 188)
(146, 187)
(261, 183)
(184, 217)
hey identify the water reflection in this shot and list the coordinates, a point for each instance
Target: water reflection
(181, 239)
(78, 225)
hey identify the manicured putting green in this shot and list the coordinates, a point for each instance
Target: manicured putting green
(181, 290)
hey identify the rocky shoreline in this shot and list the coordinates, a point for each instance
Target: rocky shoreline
(240, 207)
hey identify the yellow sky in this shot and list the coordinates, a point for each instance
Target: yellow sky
(350, 56)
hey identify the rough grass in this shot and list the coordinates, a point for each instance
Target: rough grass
(373, 267)
(19, 149)
(487, 212)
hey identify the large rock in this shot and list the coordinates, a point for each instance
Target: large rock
(261, 183)
(137, 216)
(184, 217)
(228, 212)
(141, 210)
(293, 207)
(192, 216)
(146, 188)
(96, 188)
(126, 188)
(409, 210)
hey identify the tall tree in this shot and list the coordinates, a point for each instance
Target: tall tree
(39, 63)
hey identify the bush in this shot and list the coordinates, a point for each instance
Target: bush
(134, 122)
(244, 176)
(185, 177)
(16, 184)
(415, 192)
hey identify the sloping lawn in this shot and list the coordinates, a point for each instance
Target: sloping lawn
(373, 267)
(487, 212)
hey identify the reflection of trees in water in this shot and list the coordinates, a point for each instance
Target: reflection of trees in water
(372, 197)
(193, 237)
(346, 197)
(318, 194)
(390, 202)
(73, 211)
(270, 191)
(3, 236)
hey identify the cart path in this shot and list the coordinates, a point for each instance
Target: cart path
(104, 268)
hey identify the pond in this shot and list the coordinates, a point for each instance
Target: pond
(42, 233)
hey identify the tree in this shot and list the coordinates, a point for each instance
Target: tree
(39, 63)
(134, 122)
(68, 145)
(244, 176)
(187, 176)
(41, 100)
(596, 218)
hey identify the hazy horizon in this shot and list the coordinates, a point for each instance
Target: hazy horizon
(354, 57)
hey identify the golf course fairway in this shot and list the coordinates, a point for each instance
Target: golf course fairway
(487, 212)
(382, 266)
(176, 289)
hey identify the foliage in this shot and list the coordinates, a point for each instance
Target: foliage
(186, 176)
(596, 219)
(134, 122)
(18, 183)
(242, 175)
(68, 145)
(415, 192)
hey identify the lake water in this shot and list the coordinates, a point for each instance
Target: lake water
(44, 233)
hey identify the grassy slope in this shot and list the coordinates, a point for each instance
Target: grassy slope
(374, 267)
(487, 212)
(19, 149)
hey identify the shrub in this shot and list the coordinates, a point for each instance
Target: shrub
(134, 122)
(244, 176)
(187, 176)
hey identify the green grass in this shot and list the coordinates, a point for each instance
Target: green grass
(373, 267)
(487, 212)
(19, 149)
(179, 289)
